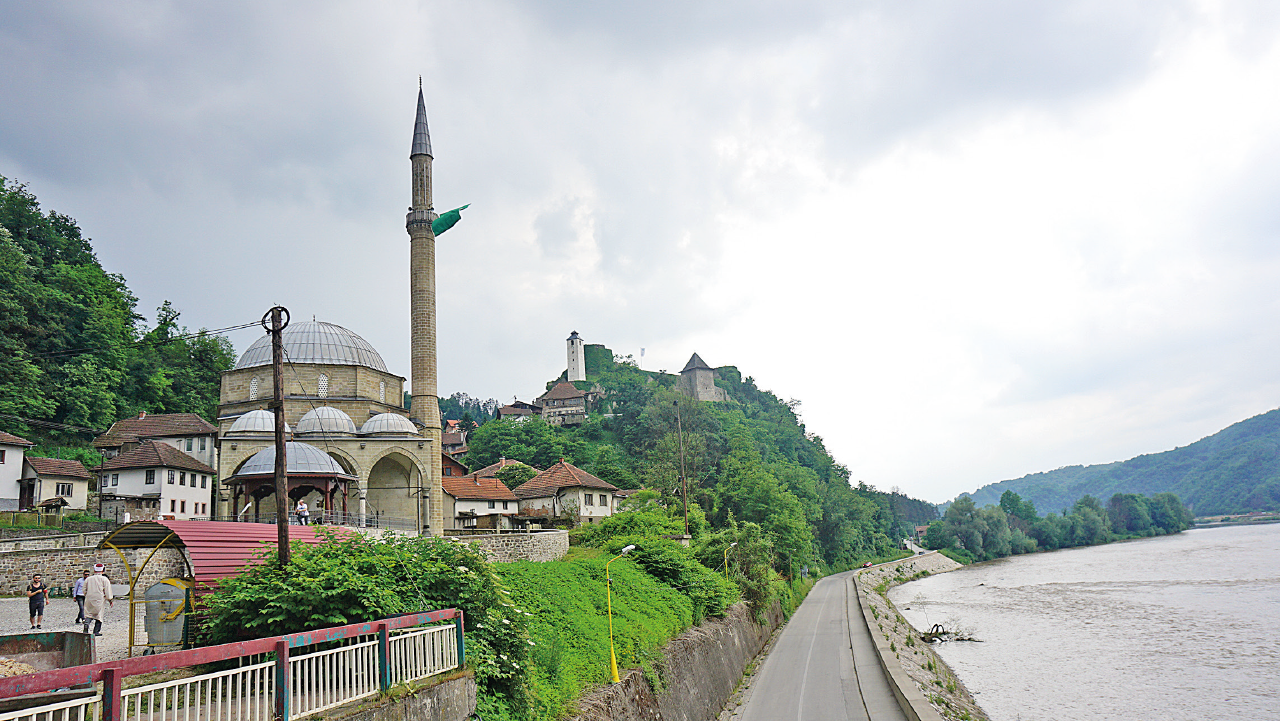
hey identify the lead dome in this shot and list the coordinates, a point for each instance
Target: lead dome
(388, 423)
(326, 419)
(300, 458)
(258, 421)
(315, 342)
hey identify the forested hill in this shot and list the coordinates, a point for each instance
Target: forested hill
(73, 349)
(1236, 470)
(747, 459)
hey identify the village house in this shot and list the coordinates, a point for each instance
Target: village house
(57, 483)
(477, 501)
(519, 411)
(12, 452)
(186, 432)
(564, 405)
(566, 490)
(155, 481)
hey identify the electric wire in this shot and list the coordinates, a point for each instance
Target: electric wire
(142, 343)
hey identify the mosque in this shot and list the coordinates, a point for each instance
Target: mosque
(356, 455)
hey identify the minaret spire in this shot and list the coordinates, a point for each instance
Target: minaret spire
(421, 136)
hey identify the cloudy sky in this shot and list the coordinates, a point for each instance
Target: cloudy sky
(975, 239)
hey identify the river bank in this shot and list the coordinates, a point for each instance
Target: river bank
(935, 679)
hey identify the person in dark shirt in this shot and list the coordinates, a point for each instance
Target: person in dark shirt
(37, 594)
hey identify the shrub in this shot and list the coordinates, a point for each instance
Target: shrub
(674, 565)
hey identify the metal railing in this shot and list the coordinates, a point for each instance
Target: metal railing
(342, 664)
(328, 518)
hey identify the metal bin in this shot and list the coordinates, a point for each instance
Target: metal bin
(168, 604)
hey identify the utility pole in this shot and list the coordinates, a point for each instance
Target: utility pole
(684, 482)
(279, 320)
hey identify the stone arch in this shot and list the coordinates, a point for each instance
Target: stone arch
(395, 487)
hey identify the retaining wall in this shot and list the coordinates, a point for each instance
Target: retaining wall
(62, 566)
(508, 547)
(450, 700)
(700, 669)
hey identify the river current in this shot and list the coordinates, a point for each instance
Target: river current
(1176, 627)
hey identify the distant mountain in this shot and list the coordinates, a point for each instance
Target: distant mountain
(1236, 470)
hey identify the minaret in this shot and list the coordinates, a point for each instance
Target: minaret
(577, 361)
(422, 312)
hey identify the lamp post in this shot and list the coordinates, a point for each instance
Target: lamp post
(608, 590)
(726, 559)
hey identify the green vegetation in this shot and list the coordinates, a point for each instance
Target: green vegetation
(967, 533)
(747, 460)
(76, 351)
(1236, 470)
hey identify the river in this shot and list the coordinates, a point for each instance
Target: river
(1175, 627)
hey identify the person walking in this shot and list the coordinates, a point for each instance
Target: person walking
(304, 514)
(78, 593)
(37, 595)
(97, 596)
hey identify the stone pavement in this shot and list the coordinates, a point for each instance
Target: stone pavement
(59, 613)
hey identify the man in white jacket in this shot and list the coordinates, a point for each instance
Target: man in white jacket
(97, 596)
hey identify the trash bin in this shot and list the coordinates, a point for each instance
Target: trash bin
(167, 608)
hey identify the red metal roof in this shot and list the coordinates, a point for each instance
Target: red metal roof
(218, 549)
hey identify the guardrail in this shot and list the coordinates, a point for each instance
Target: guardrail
(328, 518)
(356, 661)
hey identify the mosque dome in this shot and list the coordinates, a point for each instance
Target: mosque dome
(315, 342)
(326, 419)
(258, 421)
(389, 423)
(300, 458)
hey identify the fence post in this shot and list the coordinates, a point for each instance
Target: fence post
(112, 680)
(384, 658)
(282, 680)
(462, 648)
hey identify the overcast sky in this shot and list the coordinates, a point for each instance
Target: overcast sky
(975, 239)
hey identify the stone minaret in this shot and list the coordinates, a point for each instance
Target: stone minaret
(422, 312)
(577, 358)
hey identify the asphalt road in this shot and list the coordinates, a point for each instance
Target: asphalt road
(823, 666)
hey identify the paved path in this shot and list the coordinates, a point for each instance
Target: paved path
(59, 614)
(822, 666)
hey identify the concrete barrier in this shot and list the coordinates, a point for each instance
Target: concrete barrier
(913, 703)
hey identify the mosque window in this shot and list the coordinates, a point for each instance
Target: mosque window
(322, 386)
(253, 389)
(382, 392)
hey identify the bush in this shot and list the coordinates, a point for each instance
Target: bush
(352, 578)
(673, 564)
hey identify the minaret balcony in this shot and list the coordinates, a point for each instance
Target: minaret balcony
(420, 217)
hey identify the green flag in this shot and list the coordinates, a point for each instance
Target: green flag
(448, 220)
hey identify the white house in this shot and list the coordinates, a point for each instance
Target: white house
(12, 451)
(566, 489)
(187, 432)
(155, 481)
(57, 482)
(476, 501)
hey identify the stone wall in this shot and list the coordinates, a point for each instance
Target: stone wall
(517, 546)
(453, 699)
(61, 567)
(58, 540)
(700, 669)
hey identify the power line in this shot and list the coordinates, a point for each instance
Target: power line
(51, 424)
(143, 343)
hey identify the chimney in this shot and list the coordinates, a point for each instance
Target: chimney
(142, 414)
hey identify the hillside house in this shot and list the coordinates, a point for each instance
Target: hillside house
(565, 489)
(519, 411)
(12, 453)
(155, 481)
(477, 501)
(57, 483)
(564, 405)
(186, 432)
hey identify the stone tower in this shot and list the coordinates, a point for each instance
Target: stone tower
(577, 358)
(422, 311)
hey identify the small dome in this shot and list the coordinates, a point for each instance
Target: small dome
(299, 458)
(315, 342)
(389, 423)
(326, 419)
(258, 421)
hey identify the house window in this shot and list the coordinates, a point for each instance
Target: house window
(589, 503)
(448, 471)
(189, 441)
(171, 476)
(106, 480)
(115, 479)
(182, 479)
(491, 504)
(382, 392)
(151, 477)
(183, 509)
(173, 505)
(2, 452)
(203, 440)
(253, 389)
(322, 386)
(64, 489)
(504, 505)
(204, 481)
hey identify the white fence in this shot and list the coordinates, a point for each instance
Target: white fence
(81, 709)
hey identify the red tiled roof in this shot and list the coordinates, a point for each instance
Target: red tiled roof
(14, 440)
(514, 411)
(477, 487)
(151, 453)
(563, 390)
(58, 467)
(561, 475)
(451, 439)
(492, 469)
(132, 430)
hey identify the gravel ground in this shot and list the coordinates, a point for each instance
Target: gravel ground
(59, 615)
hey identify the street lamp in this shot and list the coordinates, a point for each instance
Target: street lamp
(608, 590)
(726, 559)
